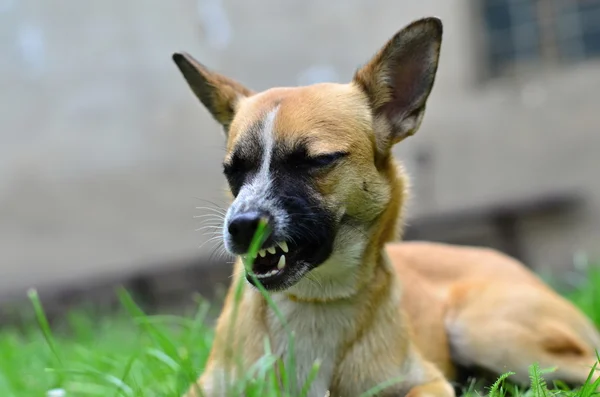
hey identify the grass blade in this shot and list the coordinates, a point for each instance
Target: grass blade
(44, 326)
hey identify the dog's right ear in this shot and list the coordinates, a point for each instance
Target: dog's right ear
(219, 94)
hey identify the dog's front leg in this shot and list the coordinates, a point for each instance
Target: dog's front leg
(432, 382)
(436, 388)
(238, 344)
(216, 378)
(211, 384)
(214, 382)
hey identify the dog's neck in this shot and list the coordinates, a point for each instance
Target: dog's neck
(352, 269)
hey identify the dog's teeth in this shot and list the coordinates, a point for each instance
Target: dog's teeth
(284, 247)
(269, 273)
(281, 263)
(271, 250)
(262, 253)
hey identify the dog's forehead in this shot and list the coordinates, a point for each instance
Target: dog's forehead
(327, 117)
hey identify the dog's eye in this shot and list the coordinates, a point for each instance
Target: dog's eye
(325, 160)
(237, 165)
(236, 171)
(300, 159)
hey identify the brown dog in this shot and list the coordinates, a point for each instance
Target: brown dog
(316, 163)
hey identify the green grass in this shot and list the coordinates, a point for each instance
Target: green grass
(128, 354)
(134, 354)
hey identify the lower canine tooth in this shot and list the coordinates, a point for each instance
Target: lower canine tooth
(281, 263)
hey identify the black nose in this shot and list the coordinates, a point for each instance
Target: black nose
(242, 228)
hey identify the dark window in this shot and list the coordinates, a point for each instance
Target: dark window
(578, 28)
(513, 33)
(535, 31)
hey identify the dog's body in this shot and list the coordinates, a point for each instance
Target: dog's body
(475, 307)
(315, 163)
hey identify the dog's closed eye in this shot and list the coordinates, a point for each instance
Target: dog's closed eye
(239, 164)
(236, 170)
(325, 160)
(315, 162)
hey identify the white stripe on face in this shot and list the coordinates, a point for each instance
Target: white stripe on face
(267, 138)
(256, 194)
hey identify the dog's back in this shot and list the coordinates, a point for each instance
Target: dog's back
(477, 307)
(446, 265)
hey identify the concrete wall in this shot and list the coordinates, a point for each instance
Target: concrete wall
(514, 142)
(104, 153)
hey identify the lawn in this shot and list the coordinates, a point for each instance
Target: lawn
(133, 354)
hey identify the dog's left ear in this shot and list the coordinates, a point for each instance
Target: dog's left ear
(399, 78)
(219, 94)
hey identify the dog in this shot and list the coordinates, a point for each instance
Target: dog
(315, 163)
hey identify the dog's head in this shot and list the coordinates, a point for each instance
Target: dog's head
(314, 161)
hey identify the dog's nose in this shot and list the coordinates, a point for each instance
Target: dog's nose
(242, 228)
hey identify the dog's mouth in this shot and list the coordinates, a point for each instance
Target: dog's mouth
(282, 263)
(272, 262)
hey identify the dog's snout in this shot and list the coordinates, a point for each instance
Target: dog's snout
(242, 229)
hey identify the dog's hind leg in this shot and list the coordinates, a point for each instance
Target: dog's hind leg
(505, 328)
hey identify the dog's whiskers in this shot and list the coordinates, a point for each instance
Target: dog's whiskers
(214, 227)
(216, 205)
(219, 253)
(214, 216)
(216, 210)
(210, 240)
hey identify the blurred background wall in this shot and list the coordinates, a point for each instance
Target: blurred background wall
(105, 153)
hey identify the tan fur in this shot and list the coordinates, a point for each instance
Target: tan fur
(370, 313)
(492, 310)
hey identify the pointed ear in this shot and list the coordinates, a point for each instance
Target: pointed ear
(399, 78)
(219, 94)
